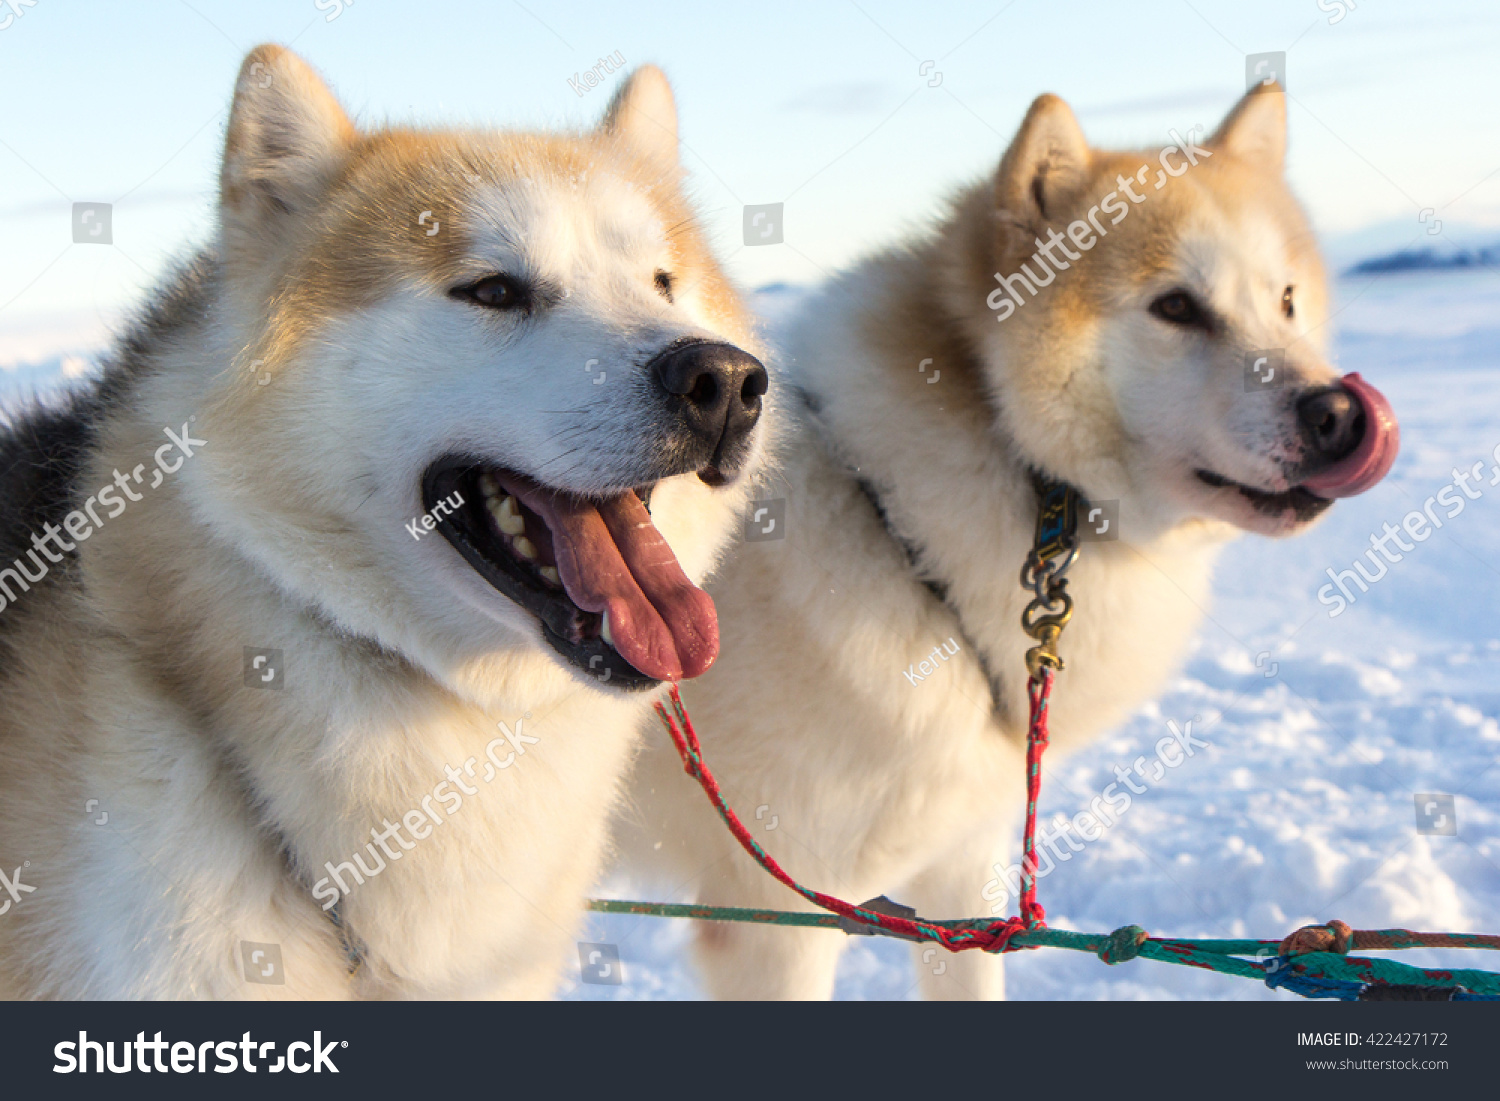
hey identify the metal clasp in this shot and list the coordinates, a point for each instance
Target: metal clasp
(1053, 553)
(1046, 627)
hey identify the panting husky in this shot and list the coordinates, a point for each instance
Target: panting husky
(1147, 328)
(330, 692)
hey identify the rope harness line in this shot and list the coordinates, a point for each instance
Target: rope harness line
(1312, 961)
(879, 913)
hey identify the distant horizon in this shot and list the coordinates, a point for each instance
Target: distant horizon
(65, 346)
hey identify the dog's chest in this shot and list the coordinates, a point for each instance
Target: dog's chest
(461, 857)
(1135, 610)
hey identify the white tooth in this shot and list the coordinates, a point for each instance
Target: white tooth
(487, 485)
(604, 630)
(524, 547)
(508, 518)
(550, 573)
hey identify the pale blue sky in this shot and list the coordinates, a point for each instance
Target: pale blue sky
(819, 104)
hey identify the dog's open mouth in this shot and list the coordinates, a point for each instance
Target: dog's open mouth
(1302, 503)
(608, 590)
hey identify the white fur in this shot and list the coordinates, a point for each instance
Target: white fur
(879, 786)
(288, 531)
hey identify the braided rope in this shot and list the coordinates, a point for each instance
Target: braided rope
(1310, 974)
(1039, 691)
(993, 936)
(1312, 961)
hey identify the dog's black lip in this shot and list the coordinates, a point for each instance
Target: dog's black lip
(1304, 504)
(559, 616)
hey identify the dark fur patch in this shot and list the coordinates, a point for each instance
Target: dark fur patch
(45, 447)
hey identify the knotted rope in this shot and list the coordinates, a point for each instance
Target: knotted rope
(1312, 961)
(992, 936)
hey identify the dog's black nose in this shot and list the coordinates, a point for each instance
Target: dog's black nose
(717, 389)
(1333, 422)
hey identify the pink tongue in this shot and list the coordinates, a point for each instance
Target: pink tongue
(613, 560)
(1372, 459)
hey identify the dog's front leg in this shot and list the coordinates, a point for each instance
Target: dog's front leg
(740, 962)
(954, 888)
(764, 963)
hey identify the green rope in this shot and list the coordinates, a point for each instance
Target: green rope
(718, 913)
(1221, 956)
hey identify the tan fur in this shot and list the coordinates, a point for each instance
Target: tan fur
(882, 786)
(123, 673)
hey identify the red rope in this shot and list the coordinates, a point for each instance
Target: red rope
(1039, 690)
(988, 936)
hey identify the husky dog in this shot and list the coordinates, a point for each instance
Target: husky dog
(1085, 317)
(329, 694)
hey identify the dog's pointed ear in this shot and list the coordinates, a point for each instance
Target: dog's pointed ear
(643, 115)
(287, 137)
(1255, 131)
(1047, 161)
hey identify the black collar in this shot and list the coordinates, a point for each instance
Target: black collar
(354, 948)
(349, 941)
(1057, 505)
(939, 589)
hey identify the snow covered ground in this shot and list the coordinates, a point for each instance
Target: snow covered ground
(1303, 810)
(1323, 728)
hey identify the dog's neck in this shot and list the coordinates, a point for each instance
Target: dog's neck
(907, 442)
(911, 445)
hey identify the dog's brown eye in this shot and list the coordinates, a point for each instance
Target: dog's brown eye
(495, 292)
(664, 284)
(1179, 308)
(1286, 303)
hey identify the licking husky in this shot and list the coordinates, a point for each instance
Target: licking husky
(1084, 318)
(330, 692)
